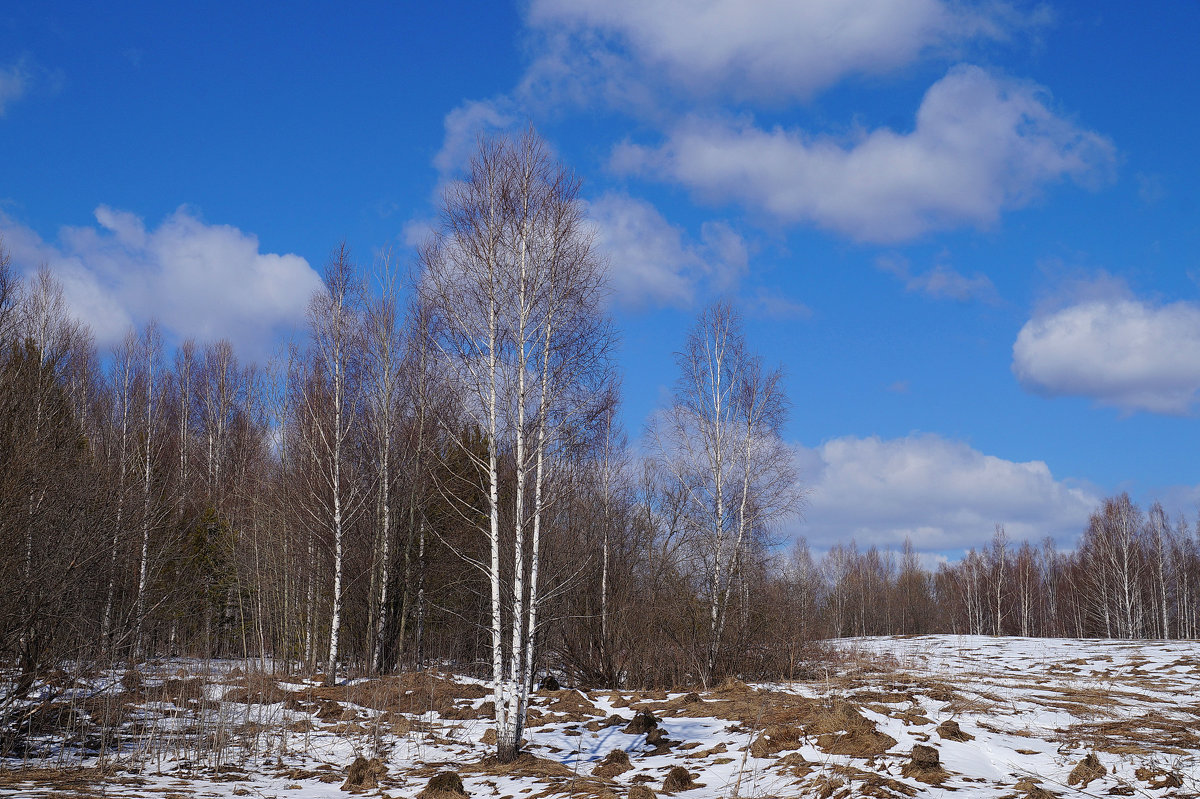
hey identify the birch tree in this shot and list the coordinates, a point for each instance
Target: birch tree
(383, 356)
(515, 286)
(150, 367)
(721, 440)
(330, 400)
(124, 358)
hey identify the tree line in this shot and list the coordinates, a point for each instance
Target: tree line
(1132, 574)
(433, 474)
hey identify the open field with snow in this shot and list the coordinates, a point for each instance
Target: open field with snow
(923, 716)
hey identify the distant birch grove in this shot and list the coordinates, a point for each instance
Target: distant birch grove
(432, 474)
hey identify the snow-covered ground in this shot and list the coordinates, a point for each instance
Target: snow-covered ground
(921, 716)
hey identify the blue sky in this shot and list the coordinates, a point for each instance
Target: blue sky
(969, 231)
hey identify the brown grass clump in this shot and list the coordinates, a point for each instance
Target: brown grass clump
(411, 692)
(443, 785)
(329, 711)
(952, 732)
(364, 774)
(678, 779)
(842, 730)
(925, 766)
(689, 701)
(525, 765)
(570, 701)
(80, 780)
(598, 724)
(1150, 733)
(1031, 790)
(640, 791)
(614, 763)
(776, 738)
(1086, 770)
(566, 705)
(559, 779)
(642, 723)
(179, 692)
(257, 689)
(826, 786)
(1159, 779)
(732, 685)
(719, 749)
(131, 681)
(489, 737)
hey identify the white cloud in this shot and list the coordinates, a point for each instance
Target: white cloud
(14, 83)
(1118, 350)
(767, 49)
(942, 493)
(652, 262)
(981, 145)
(464, 125)
(774, 305)
(198, 280)
(940, 282)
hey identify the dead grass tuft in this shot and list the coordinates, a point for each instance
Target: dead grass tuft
(1030, 789)
(642, 723)
(598, 724)
(678, 779)
(842, 730)
(925, 765)
(950, 731)
(1158, 779)
(443, 785)
(776, 738)
(614, 763)
(363, 774)
(1086, 770)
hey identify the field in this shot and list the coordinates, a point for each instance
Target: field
(888, 717)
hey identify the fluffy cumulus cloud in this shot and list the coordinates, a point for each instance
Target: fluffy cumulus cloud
(944, 494)
(1118, 350)
(198, 280)
(653, 262)
(768, 49)
(981, 145)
